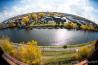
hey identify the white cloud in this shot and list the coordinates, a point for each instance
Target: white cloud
(77, 7)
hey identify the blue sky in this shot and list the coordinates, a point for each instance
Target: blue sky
(84, 8)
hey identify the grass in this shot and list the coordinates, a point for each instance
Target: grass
(48, 24)
(30, 53)
(63, 59)
(80, 45)
(66, 57)
(50, 46)
(58, 56)
(67, 25)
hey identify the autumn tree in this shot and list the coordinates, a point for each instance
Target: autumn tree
(50, 14)
(11, 24)
(84, 27)
(34, 17)
(29, 53)
(91, 27)
(71, 25)
(41, 15)
(25, 20)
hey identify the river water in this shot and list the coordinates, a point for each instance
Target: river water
(46, 37)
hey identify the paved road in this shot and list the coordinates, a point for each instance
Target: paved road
(2, 61)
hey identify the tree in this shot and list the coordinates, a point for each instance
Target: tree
(71, 25)
(41, 15)
(28, 53)
(91, 27)
(34, 16)
(51, 14)
(84, 27)
(25, 20)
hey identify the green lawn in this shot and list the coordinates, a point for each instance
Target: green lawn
(64, 56)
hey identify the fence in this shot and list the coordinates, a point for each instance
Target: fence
(11, 60)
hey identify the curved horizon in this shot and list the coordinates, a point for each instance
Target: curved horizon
(84, 8)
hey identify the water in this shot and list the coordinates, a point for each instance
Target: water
(47, 37)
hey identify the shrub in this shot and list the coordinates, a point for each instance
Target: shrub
(83, 52)
(65, 46)
(6, 45)
(28, 53)
(71, 25)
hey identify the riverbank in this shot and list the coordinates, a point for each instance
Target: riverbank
(54, 55)
(68, 26)
(47, 55)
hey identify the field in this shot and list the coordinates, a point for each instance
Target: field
(58, 55)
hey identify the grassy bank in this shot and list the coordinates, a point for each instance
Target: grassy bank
(54, 55)
(30, 53)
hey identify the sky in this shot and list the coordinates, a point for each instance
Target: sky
(84, 8)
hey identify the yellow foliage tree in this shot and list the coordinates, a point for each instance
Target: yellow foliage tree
(34, 16)
(84, 52)
(71, 25)
(25, 20)
(87, 27)
(41, 15)
(84, 27)
(6, 45)
(50, 14)
(91, 27)
(28, 53)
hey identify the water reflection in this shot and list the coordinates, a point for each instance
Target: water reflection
(61, 36)
(50, 36)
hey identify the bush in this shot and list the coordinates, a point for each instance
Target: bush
(71, 25)
(28, 53)
(83, 52)
(6, 45)
(65, 46)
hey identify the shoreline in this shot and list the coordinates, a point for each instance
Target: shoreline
(47, 27)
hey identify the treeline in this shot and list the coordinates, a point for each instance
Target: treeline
(89, 27)
(24, 20)
(37, 19)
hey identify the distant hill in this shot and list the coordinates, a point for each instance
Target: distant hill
(69, 16)
(41, 15)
